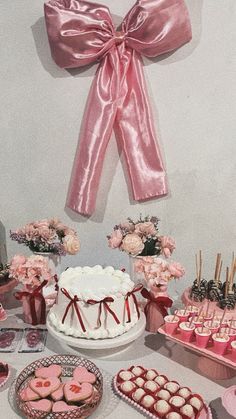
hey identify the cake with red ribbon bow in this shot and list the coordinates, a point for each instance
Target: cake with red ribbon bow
(95, 303)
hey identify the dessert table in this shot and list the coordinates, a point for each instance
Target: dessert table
(149, 350)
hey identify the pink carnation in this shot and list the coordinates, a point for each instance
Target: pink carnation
(167, 245)
(176, 270)
(115, 239)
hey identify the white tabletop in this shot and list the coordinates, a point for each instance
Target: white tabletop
(150, 350)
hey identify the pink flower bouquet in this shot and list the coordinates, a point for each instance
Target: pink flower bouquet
(48, 236)
(141, 238)
(31, 271)
(158, 272)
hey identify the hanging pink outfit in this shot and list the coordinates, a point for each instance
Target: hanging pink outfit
(82, 32)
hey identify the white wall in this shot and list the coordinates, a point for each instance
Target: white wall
(194, 96)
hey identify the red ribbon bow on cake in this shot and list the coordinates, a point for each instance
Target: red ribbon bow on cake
(104, 303)
(82, 32)
(73, 304)
(132, 294)
(33, 295)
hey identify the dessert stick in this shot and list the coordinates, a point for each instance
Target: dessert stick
(223, 316)
(199, 313)
(219, 273)
(227, 282)
(197, 271)
(218, 261)
(213, 317)
(231, 323)
(232, 272)
(207, 308)
(192, 318)
(200, 268)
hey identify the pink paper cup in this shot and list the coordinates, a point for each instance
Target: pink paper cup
(171, 325)
(233, 347)
(215, 326)
(202, 336)
(198, 323)
(192, 309)
(186, 332)
(230, 332)
(182, 317)
(221, 341)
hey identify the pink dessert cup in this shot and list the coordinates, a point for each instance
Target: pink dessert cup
(232, 323)
(233, 347)
(230, 332)
(198, 321)
(183, 317)
(171, 324)
(214, 327)
(207, 316)
(186, 332)
(221, 341)
(192, 310)
(202, 336)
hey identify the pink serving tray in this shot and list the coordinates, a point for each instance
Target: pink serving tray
(205, 413)
(229, 400)
(208, 352)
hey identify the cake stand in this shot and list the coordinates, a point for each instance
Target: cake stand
(100, 344)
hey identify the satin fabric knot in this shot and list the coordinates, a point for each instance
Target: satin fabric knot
(104, 303)
(161, 302)
(138, 287)
(119, 37)
(36, 293)
(73, 304)
(82, 32)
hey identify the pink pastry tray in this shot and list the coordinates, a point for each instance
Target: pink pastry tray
(205, 413)
(208, 352)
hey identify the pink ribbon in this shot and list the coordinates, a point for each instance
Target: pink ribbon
(80, 33)
(104, 302)
(73, 304)
(137, 288)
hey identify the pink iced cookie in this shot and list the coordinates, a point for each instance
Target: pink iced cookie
(43, 404)
(75, 392)
(45, 386)
(46, 372)
(82, 375)
(58, 394)
(27, 394)
(62, 407)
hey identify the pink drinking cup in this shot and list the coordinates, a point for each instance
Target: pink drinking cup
(230, 332)
(221, 341)
(233, 347)
(207, 316)
(198, 322)
(214, 327)
(183, 317)
(202, 336)
(171, 324)
(192, 310)
(186, 331)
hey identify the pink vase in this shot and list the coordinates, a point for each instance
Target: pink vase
(155, 309)
(34, 306)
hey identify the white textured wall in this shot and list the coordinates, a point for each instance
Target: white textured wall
(194, 96)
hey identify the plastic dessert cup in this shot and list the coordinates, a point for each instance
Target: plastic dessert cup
(232, 323)
(182, 314)
(186, 331)
(171, 324)
(207, 316)
(221, 341)
(214, 327)
(233, 347)
(202, 336)
(192, 309)
(230, 332)
(198, 321)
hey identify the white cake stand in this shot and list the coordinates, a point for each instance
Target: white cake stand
(100, 344)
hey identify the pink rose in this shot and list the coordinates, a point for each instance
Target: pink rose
(167, 245)
(47, 234)
(42, 224)
(132, 244)
(18, 260)
(176, 270)
(71, 244)
(146, 229)
(31, 232)
(115, 239)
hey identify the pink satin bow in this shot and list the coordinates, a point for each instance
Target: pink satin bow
(81, 32)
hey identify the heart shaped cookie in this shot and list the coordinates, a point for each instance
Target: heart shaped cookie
(62, 407)
(44, 404)
(53, 371)
(58, 394)
(45, 386)
(27, 394)
(74, 391)
(82, 375)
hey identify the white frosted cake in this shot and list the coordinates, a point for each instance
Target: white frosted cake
(95, 303)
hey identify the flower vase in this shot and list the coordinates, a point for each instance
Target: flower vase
(33, 304)
(156, 308)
